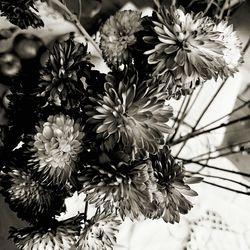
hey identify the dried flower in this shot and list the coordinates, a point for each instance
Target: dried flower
(21, 13)
(29, 198)
(60, 78)
(172, 187)
(57, 144)
(99, 233)
(118, 35)
(59, 235)
(124, 187)
(131, 113)
(186, 46)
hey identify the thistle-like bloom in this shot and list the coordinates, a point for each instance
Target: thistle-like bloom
(186, 46)
(131, 113)
(125, 187)
(232, 53)
(29, 198)
(118, 35)
(99, 233)
(172, 187)
(56, 147)
(21, 13)
(58, 236)
(60, 78)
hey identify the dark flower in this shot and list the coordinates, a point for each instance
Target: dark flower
(124, 187)
(132, 113)
(29, 198)
(56, 147)
(118, 35)
(54, 235)
(21, 13)
(170, 199)
(99, 233)
(60, 80)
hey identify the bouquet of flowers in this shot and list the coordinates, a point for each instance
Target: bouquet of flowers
(66, 127)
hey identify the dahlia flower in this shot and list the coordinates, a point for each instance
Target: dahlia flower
(21, 13)
(188, 47)
(56, 146)
(29, 198)
(118, 35)
(59, 236)
(99, 233)
(172, 182)
(60, 78)
(132, 113)
(125, 187)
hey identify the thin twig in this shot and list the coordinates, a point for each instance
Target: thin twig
(86, 210)
(208, 7)
(80, 9)
(75, 21)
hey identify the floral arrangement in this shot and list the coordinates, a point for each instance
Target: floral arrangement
(66, 127)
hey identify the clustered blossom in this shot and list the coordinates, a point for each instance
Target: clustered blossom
(56, 146)
(118, 35)
(189, 48)
(132, 113)
(21, 13)
(99, 233)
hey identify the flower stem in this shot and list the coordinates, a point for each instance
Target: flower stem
(72, 18)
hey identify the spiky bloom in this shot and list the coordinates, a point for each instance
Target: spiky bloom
(132, 113)
(29, 198)
(125, 187)
(99, 233)
(232, 53)
(172, 187)
(60, 78)
(59, 235)
(56, 147)
(186, 46)
(21, 13)
(118, 35)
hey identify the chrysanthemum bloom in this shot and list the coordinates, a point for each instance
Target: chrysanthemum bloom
(232, 53)
(99, 233)
(172, 187)
(29, 198)
(186, 46)
(56, 146)
(58, 236)
(131, 113)
(60, 78)
(118, 35)
(21, 13)
(125, 187)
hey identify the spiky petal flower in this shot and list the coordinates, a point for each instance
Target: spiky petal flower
(29, 198)
(186, 46)
(60, 78)
(21, 13)
(172, 187)
(132, 113)
(99, 233)
(118, 35)
(56, 147)
(124, 187)
(59, 235)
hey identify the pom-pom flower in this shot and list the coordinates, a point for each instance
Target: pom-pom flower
(59, 235)
(190, 48)
(99, 233)
(118, 35)
(60, 78)
(56, 147)
(21, 13)
(132, 113)
(125, 187)
(29, 198)
(172, 187)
